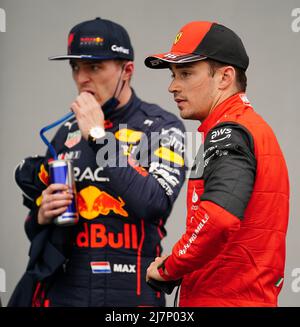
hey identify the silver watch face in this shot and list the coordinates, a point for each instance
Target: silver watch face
(97, 132)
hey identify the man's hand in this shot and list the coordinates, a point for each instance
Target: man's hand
(54, 204)
(88, 113)
(152, 271)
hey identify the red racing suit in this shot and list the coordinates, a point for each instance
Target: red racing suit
(233, 250)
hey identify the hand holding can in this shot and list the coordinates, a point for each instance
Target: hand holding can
(61, 172)
(55, 201)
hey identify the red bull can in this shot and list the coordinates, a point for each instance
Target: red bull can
(61, 172)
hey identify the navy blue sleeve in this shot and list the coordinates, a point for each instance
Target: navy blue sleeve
(154, 173)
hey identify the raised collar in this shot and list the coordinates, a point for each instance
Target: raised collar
(221, 110)
(118, 114)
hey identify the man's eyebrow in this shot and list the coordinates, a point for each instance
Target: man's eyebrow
(86, 62)
(92, 62)
(182, 66)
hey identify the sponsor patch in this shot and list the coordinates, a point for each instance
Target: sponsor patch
(156, 166)
(73, 138)
(70, 39)
(220, 134)
(70, 124)
(93, 202)
(148, 122)
(38, 201)
(90, 41)
(43, 175)
(172, 130)
(172, 180)
(172, 141)
(195, 205)
(97, 236)
(88, 174)
(170, 56)
(134, 164)
(119, 49)
(195, 197)
(169, 155)
(194, 236)
(244, 99)
(128, 135)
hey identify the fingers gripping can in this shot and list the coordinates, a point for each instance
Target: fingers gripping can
(61, 172)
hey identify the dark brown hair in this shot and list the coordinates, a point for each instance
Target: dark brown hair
(241, 78)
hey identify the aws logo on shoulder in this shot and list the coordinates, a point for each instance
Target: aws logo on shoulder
(220, 134)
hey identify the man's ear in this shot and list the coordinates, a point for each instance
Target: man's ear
(128, 70)
(227, 77)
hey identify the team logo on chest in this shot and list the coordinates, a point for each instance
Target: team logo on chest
(93, 202)
(73, 138)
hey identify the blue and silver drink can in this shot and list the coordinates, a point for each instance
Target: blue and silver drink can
(61, 172)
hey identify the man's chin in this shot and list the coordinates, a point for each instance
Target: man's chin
(184, 114)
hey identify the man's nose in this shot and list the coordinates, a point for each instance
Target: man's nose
(82, 76)
(173, 87)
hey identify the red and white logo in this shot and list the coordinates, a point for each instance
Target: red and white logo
(73, 138)
(244, 98)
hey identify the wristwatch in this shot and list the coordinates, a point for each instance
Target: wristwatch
(95, 133)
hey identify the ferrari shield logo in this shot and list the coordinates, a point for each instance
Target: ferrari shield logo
(177, 38)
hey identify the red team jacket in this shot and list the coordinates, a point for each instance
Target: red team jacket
(233, 250)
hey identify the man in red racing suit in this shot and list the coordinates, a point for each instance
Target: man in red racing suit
(233, 250)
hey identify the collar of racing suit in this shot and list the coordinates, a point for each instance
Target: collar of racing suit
(119, 113)
(221, 110)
